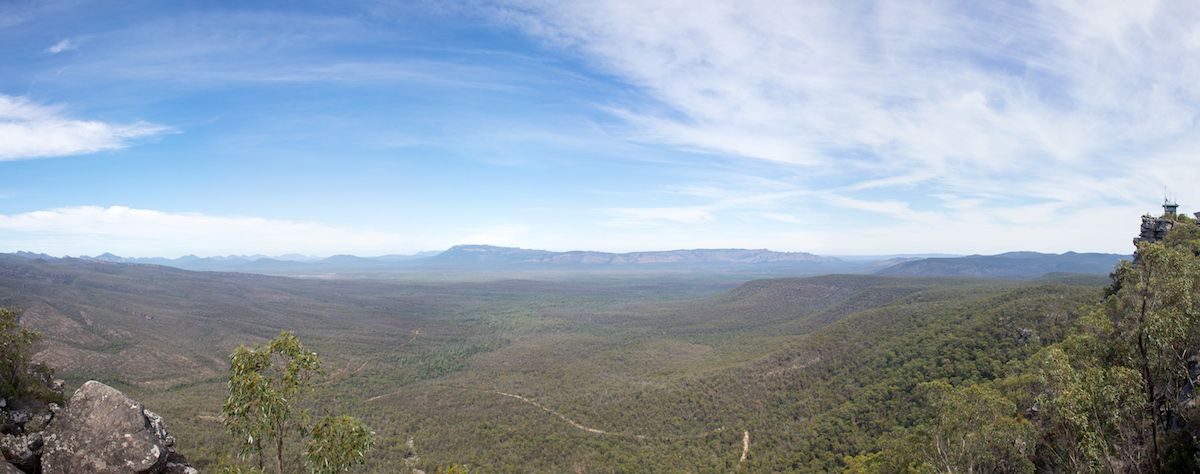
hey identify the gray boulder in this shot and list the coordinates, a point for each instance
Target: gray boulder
(178, 465)
(6, 468)
(21, 450)
(102, 431)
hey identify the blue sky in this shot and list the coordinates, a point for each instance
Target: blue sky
(210, 128)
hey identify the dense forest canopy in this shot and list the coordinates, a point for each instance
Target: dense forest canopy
(1115, 395)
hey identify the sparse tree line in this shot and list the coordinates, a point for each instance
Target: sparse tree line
(1116, 395)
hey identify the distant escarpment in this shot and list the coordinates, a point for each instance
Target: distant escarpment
(100, 430)
(1018, 265)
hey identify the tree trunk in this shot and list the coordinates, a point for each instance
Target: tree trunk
(1146, 373)
(279, 452)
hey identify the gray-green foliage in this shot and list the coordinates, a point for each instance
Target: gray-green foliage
(1113, 396)
(975, 431)
(266, 385)
(338, 443)
(16, 342)
(1089, 413)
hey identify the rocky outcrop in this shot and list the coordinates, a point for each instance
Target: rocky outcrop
(1154, 229)
(102, 431)
(22, 450)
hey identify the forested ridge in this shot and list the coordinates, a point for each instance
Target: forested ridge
(1115, 394)
(840, 372)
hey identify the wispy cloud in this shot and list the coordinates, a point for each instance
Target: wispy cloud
(145, 232)
(715, 201)
(31, 130)
(1062, 101)
(60, 46)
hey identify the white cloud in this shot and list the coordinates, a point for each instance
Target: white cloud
(60, 46)
(1023, 111)
(143, 232)
(30, 130)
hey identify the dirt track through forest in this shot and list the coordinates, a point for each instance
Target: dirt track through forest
(582, 427)
(599, 431)
(559, 415)
(745, 446)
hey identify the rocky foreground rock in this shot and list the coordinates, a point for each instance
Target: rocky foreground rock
(100, 430)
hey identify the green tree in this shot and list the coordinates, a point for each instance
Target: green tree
(1090, 415)
(264, 386)
(15, 344)
(1155, 330)
(976, 430)
(338, 443)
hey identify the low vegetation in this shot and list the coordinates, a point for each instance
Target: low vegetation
(20, 378)
(840, 372)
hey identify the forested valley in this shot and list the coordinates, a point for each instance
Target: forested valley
(856, 373)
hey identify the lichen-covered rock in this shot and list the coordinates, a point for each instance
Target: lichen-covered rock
(6, 468)
(38, 422)
(18, 418)
(102, 431)
(160, 429)
(177, 464)
(21, 450)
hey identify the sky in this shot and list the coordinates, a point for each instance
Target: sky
(149, 128)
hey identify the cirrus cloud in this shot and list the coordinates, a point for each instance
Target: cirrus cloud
(60, 46)
(30, 130)
(1072, 102)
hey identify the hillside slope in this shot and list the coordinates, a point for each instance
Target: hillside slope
(491, 259)
(552, 376)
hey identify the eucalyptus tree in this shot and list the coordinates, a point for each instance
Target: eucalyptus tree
(263, 412)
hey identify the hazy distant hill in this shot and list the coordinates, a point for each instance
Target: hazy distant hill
(496, 261)
(521, 375)
(1008, 265)
(491, 255)
(487, 258)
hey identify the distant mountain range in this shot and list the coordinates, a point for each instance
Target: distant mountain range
(753, 262)
(1008, 265)
(473, 255)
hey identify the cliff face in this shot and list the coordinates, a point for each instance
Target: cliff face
(1155, 229)
(100, 430)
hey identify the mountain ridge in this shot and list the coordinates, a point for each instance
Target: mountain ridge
(473, 258)
(1021, 264)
